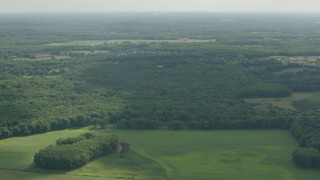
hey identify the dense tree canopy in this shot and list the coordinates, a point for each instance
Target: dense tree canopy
(71, 153)
(306, 157)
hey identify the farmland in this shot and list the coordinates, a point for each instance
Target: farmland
(160, 154)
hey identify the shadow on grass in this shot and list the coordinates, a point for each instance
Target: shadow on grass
(34, 168)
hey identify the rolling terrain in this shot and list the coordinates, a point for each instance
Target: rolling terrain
(253, 154)
(197, 96)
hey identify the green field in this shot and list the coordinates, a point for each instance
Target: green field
(241, 154)
(16, 156)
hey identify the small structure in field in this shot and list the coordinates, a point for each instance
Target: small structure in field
(123, 147)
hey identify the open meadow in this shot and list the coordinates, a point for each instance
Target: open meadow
(162, 154)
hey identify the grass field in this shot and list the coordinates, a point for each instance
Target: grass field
(16, 155)
(237, 154)
(133, 41)
(286, 103)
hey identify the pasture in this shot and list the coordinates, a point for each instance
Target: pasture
(162, 154)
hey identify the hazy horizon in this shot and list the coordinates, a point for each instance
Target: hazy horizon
(265, 6)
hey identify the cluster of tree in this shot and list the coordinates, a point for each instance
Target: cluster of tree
(304, 81)
(200, 95)
(71, 153)
(138, 123)
(176, 125)
(306, 131)
(25, 128)
(306, 157)
(305, 105)
(34, 127)
(163, 86)
(266, 91)
(35, 104)
(262, 121)
(42, 68)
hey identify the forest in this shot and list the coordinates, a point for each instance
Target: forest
(173, 71)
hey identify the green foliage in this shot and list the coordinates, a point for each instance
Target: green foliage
(176, 125)
(146, 84)
(266, 90)
(306, 105)
(306, 157)
(187, 91)
(71, 153)
(54, 76)
(307, 131)
(138, 123)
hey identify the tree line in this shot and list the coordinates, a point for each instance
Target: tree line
(306, 131)
(34, 127)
